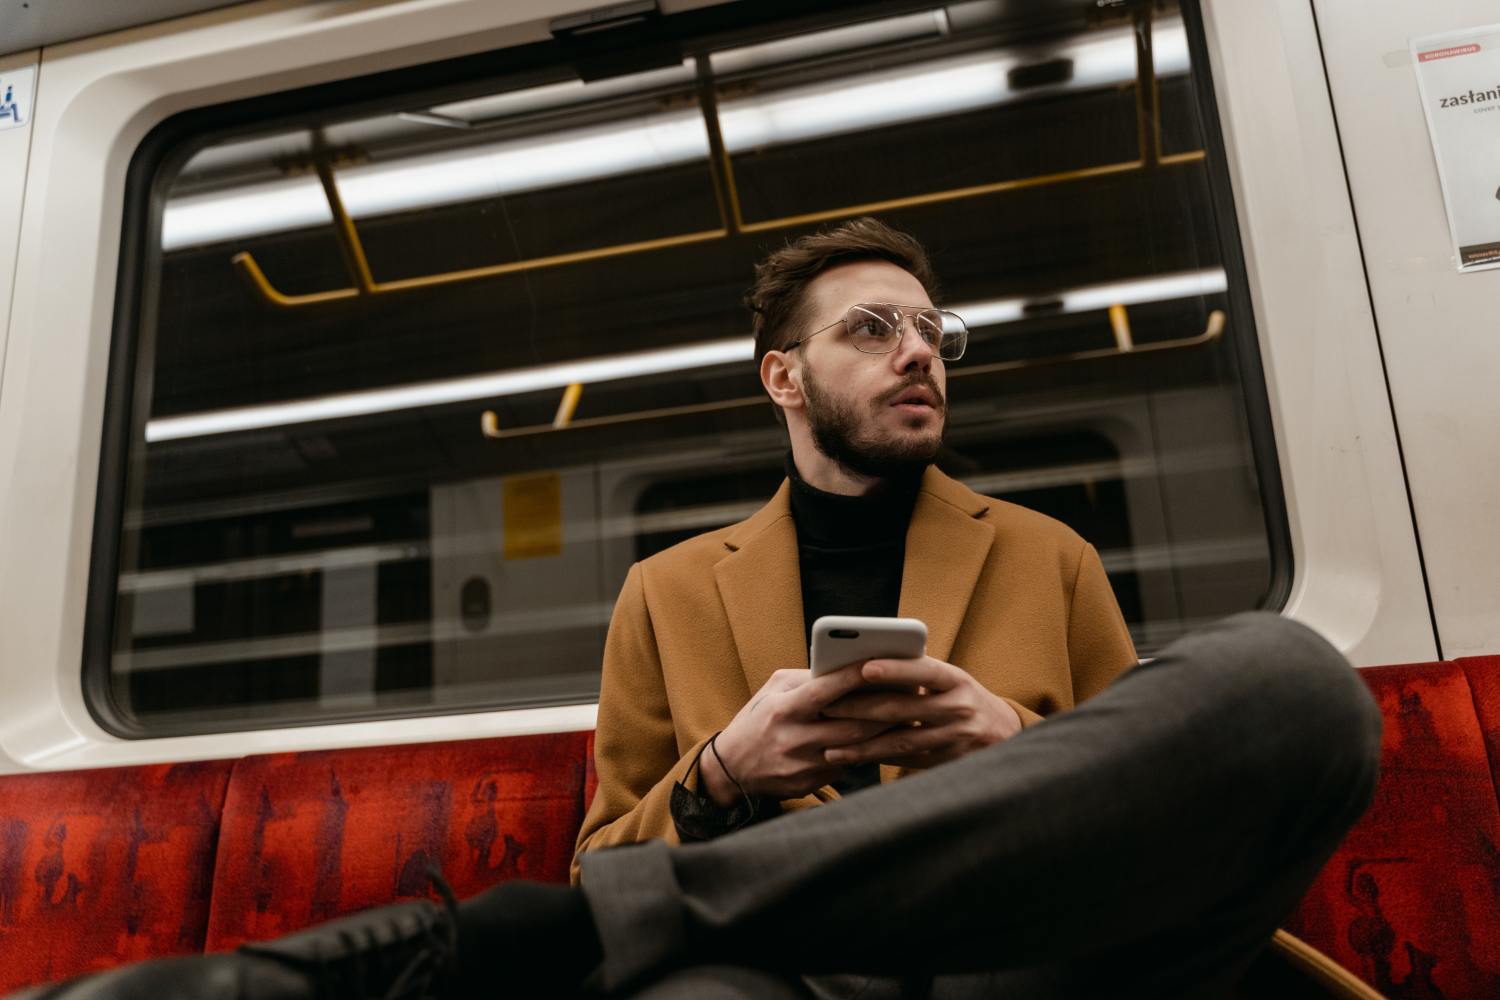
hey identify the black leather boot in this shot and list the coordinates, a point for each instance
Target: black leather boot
(406, 951)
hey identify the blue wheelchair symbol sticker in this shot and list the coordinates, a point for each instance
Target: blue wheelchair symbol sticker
(9, 108)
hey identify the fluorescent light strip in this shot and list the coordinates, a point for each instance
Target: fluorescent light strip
(252, 210)
(440, 179)
(458, 390)
(856, 104)
(621, 366)
(1183, 285)
(850, 38)
(1162, 288)
(552, 96)
(993, 312)
(863, 103)
(567, 158)
(904, 94)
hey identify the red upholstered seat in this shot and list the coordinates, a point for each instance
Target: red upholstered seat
(309, 836)
(1483, 673)
(103, 867)
(1410, 902)
(98, 868)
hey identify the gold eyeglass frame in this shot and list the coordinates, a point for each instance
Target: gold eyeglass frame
(913, 313)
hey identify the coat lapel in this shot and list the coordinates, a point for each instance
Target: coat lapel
(759, 584)
(761, 589)
(946, 548)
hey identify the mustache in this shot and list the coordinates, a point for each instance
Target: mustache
(923, 379)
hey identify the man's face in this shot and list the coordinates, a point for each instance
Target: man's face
(874, 414)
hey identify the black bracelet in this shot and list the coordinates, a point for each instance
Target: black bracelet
(713, 744)
(697, 816)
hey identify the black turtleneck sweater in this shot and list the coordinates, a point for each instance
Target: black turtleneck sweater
(850, 548)
(849, 554)
(850, 551)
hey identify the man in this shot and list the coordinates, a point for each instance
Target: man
(1144, 843)
(711, 636)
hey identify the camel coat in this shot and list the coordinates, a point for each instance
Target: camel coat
(1013, 597)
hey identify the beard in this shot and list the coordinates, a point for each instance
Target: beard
(836, 429)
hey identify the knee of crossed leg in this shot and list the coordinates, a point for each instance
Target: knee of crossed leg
(1299, 707)
(1327, 725)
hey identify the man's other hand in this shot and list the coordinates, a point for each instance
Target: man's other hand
(775, 746)
(943, 715)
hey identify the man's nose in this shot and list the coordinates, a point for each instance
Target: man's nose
(913, 351)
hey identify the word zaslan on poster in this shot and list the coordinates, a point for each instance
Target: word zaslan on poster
(1458, 75)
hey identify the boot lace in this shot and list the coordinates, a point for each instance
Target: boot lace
(359, 962)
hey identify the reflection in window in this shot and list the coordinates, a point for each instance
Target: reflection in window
(423, 385)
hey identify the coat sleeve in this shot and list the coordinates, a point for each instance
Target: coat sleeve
(1099, 646)
(635, 743)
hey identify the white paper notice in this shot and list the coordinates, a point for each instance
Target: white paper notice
(1458, 74)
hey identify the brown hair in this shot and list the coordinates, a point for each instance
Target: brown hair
(776, 298)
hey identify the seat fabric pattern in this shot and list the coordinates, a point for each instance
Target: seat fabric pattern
(106, 866)
(311, 836)
(1410, 902)
(1483, 674)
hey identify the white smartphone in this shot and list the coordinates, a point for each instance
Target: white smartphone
(838, 640)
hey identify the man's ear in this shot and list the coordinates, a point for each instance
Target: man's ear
(782, 379)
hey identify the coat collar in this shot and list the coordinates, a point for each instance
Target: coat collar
(947, 544)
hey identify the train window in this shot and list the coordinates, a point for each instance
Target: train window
(414, 381)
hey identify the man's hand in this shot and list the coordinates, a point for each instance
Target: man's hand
(953, 714)
(775, 745)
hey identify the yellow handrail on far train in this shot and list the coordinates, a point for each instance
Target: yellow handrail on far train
(731, 220)
(489, 421)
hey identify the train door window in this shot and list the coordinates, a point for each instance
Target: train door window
(414, 380)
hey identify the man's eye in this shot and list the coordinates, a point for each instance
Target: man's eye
(869, 328)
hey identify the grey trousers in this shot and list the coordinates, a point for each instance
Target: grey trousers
(1144, 844)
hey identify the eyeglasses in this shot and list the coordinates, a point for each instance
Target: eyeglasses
(876, 328)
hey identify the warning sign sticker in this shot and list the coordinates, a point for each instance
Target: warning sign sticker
(1458, 76)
